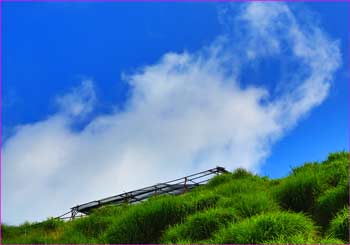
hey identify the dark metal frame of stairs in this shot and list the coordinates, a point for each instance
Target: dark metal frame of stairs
(173, 187)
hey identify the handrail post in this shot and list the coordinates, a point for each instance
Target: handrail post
(73, 213)
(155, 191)
(185, 185)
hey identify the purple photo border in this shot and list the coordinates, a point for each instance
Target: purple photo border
(315, 1)
(348, 75)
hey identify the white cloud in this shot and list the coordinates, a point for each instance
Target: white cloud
(186, 113)
(79, 102)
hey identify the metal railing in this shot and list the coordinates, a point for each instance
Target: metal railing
(173, 187)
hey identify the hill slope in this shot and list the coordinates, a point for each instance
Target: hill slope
(308, 206)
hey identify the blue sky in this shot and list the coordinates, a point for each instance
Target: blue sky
(71, 70)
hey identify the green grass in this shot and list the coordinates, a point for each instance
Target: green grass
(146, 222)
(339, 226)
(307, 207)
(299, 192)
(263, 227)
(330, 203)
(302, 189)
(199, 226)
(331, 240)
(249, 204)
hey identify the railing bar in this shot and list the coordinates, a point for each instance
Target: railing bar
(146, 191)
(151, 189)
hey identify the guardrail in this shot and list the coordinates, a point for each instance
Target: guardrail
(173, 187)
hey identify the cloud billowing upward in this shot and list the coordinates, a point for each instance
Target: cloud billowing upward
(187, 112)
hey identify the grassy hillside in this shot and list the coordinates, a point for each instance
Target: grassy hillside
(308, 206)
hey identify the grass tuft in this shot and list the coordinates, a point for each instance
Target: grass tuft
(241, 173)
(199, 226)
(249, 204)
(339, 226)
(329, 203)
(266, 227)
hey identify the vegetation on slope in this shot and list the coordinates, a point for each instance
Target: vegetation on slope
(308, 206)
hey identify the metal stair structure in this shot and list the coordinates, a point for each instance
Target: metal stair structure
(173, 187)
